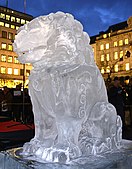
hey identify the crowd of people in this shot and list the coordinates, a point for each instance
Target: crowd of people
(16, 104)
(120, 95)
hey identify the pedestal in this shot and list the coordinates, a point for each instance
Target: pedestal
(121, 159)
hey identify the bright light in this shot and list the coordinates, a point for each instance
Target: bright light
(116, 68)
(9, 71)
(127, 66)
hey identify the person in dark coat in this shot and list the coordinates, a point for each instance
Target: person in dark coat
(6, 104)
(116, 98)
(17, 103)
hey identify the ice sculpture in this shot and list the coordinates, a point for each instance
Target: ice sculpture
(71, 111)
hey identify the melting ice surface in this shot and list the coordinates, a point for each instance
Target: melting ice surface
(73, 117)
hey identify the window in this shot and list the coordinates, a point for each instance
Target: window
(3, 58)
(27, 72)
(115, 55)
(116, 68)
(4, 34)
(15, 60)
(27, 21)
(22, 21)
(10, 36)
(3, 70)
(10, 59)
(13, 26)
(16, 72)
(121, 54)
(12, 19)
(115, 44)
(126, 42)
(2, 15)
(102, 70)
(128, 54)
(105, 36)
(17, 27)
(3, 46)
(8, 17)
(102, 47)
(9, 70)
(107, 45)
(7, 25)
(10, 47)
(107, 56)
(1, 23)
(18, 20)
(21, 72)
(127, 66)
(120, 42)
(107, 69)
(121, 67)
(102, 58)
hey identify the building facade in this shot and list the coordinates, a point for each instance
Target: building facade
(113, 50)
(12, 72)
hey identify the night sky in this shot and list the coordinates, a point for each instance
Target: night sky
(95, 15)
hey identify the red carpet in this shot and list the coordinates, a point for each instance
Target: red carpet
(10, 126)
(15, 131)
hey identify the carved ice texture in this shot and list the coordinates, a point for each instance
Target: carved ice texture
(71, 111)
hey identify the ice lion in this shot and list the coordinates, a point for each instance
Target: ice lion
(71, 111)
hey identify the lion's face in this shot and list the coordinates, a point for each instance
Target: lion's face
(55, 39)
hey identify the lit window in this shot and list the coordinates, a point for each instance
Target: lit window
(10, 47)
(126, 41)
(7, 25)
(120, 42)
(17, 27)
(116, 68)
(27, 21)
(102, 70)
(12, 19)
(107, 46)
(115, 55)
(15, 60)
(18, 20)
(3, 58)
(102, 58)
(115, 44)
(13, 26)
(10, 59)
(22, 21)
(107, 69)
(8, 17)
(16, 72)
(4, 34)
(93, 49)
(105, 36)
(121, 54)
(2, 15)
(127, 66)
(27, 72)
(102, 47)
(1, 23)
(3, 46)
(10, 35)
(107, 57)
(3, 70)
(9, 70)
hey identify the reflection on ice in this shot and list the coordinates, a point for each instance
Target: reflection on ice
(72, 115)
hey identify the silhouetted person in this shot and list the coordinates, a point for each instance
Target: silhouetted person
(17, 103)
(116, 97)
(6, 104)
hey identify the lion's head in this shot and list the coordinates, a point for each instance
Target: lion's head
(55, 39)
